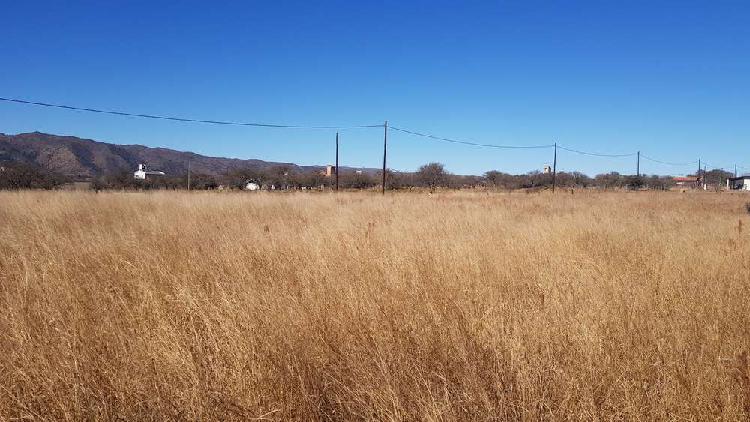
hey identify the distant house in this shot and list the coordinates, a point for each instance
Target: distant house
(329, 171)
(252, 186)
(143, 173)
(687, 181)
(739, 183)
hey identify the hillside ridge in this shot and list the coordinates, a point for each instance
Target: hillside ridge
(85, 159)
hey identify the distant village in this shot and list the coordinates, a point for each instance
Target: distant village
(433, 176)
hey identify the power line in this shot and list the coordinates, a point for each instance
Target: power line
(180, 119)
(596, 154)
(475, 144)
(691, 163)
(719, 167)
(280, 126)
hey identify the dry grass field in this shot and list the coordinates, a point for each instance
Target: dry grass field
(454, 306)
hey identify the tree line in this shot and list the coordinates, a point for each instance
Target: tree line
(430, 176)
(17, 175)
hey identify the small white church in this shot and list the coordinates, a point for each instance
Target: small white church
(142, 173)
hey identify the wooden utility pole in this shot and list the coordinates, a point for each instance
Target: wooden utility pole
(337, 161)
(188, 175)
(638, 165)
(385, 150)
(554, 170)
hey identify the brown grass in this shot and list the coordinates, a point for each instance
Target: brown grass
(353, 307)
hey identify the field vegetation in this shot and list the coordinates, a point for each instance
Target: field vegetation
(413, 306)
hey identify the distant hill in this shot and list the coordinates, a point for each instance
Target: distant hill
(85, 159)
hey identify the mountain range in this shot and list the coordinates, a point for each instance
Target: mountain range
(84, 159)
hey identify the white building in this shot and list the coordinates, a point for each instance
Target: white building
(142, 173)
(252, 186)
(739, 183)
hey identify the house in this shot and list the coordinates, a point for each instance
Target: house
(252, 186)
(739, 183)
(142, 173)
(687, 181)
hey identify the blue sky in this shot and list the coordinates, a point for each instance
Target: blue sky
(668, 78)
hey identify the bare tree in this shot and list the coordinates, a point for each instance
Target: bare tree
(432, 175)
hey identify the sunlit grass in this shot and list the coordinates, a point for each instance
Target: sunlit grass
(452, 306)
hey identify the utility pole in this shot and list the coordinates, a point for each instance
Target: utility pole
(735, 171)
(638, 165)
(337, 161)
(188, 176)
(705, 186)
(554, 169)
(385, 150)
(698, 175)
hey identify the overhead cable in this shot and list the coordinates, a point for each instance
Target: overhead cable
(475, 144)
(285, 126)
(180, 119)
(596, 154)
(691, 163)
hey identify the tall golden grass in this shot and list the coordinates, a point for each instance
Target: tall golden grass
(451, 306)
